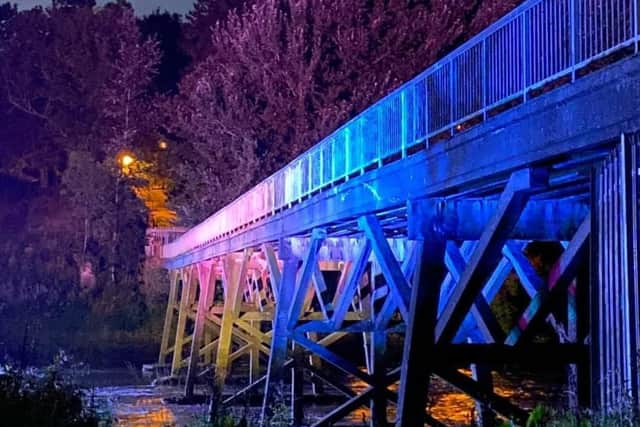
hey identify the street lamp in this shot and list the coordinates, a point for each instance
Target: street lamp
(127, 160)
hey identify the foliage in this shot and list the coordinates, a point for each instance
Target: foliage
(281, 75)
(74, 92)
(544, 416)
(201, 21)
(167, 30)
(42, 398)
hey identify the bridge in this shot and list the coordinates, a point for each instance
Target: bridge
(407, 220)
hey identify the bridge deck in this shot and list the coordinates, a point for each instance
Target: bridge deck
(558, 127)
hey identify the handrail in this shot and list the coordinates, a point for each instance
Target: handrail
(539, 41)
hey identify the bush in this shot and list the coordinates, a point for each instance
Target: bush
(41, 398)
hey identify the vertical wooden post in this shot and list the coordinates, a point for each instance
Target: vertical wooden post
(482, 374)
(168, 317)
(379, 400)
(420, 336)
(234, 277)
(297, 388)
(254, 358)
(206, 281)
(317, 386)
(185, 306)
(279, 341)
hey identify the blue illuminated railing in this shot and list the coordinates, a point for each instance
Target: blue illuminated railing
(539, 42)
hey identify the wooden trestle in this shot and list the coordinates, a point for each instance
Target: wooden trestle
(415, 273)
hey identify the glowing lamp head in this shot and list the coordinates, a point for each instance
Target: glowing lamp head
(127, 160)
(163, 144)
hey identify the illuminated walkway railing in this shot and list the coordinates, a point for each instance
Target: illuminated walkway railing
(539, 42)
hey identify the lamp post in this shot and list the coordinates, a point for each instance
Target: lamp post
(125, 160)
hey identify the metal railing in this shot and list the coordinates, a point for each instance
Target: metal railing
(538, 42)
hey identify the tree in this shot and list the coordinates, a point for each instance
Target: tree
(167, 29)
(283, 74)
(201, 21)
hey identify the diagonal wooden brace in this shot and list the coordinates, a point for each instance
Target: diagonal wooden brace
(487, 254)
(561, 276)
(390, 269)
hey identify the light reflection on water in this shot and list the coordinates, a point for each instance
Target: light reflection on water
(143, 406)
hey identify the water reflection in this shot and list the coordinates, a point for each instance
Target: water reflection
(144, 406)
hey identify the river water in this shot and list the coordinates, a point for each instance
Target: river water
(130, 400)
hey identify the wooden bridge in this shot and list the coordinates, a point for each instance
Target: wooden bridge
(407, 220)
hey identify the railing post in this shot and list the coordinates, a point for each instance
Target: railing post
(573, 34)
(426, 113)
(484, 76)
(635, 25)
(523, 48)
(333, 159)
(379, 137)
(347, 152)
(452, 95)
(321, 168)
(403, 124)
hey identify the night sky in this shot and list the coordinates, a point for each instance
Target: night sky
(143, 7)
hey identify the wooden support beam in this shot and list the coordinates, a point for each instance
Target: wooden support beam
(388, 308)
(251, 387)
(481, 314)
(486, 255)
(306, 272)
(386, 259)
(449, 281)
(469, 327)
(274, 270)
(482, 375)
(420, 335)
(344, 409)
(188, 291)
(332, 358)
(280, 340)
(168, 317)
(321, 290)
(562, 274)
(529, 278)
(328, 327)
(297, 387)
(234, 276)
(206, 281)
(344, 294)
(254, 361)
(379, 397)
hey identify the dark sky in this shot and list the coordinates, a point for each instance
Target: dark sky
(143, 7)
